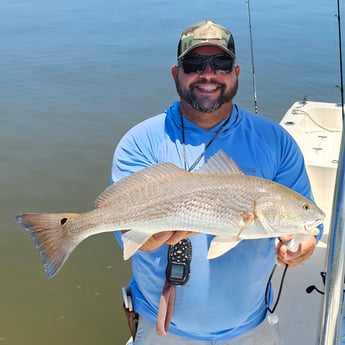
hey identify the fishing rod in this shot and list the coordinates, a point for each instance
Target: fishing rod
(252, 58)
(340, 59)
(332, 307)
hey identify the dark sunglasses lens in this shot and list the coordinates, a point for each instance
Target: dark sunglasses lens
(197, 64)
(193, 64)
(222, 64)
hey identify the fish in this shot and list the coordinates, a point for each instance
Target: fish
(217, 199)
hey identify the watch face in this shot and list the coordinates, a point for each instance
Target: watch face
(177, 271)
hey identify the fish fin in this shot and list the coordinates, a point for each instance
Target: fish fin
(220, 163)
(263, 203)
(259, 228)
(267, 226)
(220, 245)
(153, 175)
(51, 239)
(132, 241)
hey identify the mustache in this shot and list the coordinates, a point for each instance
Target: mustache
(207, 81)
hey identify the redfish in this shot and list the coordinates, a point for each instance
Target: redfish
(218, 199)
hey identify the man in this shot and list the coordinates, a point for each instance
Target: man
(223, 301)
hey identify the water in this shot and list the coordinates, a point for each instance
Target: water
(74, 77)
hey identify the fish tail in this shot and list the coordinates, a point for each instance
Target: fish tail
(51, 238)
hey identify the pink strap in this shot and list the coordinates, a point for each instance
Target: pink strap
(166, 307)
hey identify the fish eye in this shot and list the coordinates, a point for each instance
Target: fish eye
(306, 207)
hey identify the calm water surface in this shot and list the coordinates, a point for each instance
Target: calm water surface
(74, 77)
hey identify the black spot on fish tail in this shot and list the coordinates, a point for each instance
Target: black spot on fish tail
(52, 241)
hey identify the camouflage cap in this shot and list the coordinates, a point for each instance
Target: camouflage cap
(206, 33)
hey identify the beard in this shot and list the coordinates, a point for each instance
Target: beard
(206, 104)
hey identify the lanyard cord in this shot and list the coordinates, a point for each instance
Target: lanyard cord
(206, 147)
(271, 310)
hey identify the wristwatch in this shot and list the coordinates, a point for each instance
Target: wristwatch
(178, 267)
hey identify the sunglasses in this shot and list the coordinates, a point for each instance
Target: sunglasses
(197, 63)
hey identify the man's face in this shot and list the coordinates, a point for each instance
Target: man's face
(206, 91)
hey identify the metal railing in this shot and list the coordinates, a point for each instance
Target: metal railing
(331, 313)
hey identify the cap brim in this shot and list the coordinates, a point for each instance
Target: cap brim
(202, 44)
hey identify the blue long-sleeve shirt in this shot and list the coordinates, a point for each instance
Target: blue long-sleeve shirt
(224, 297)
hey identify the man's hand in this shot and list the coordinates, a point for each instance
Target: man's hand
(305, 250)
(169, 237)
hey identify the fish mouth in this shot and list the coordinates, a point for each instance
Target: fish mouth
(310, 226)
